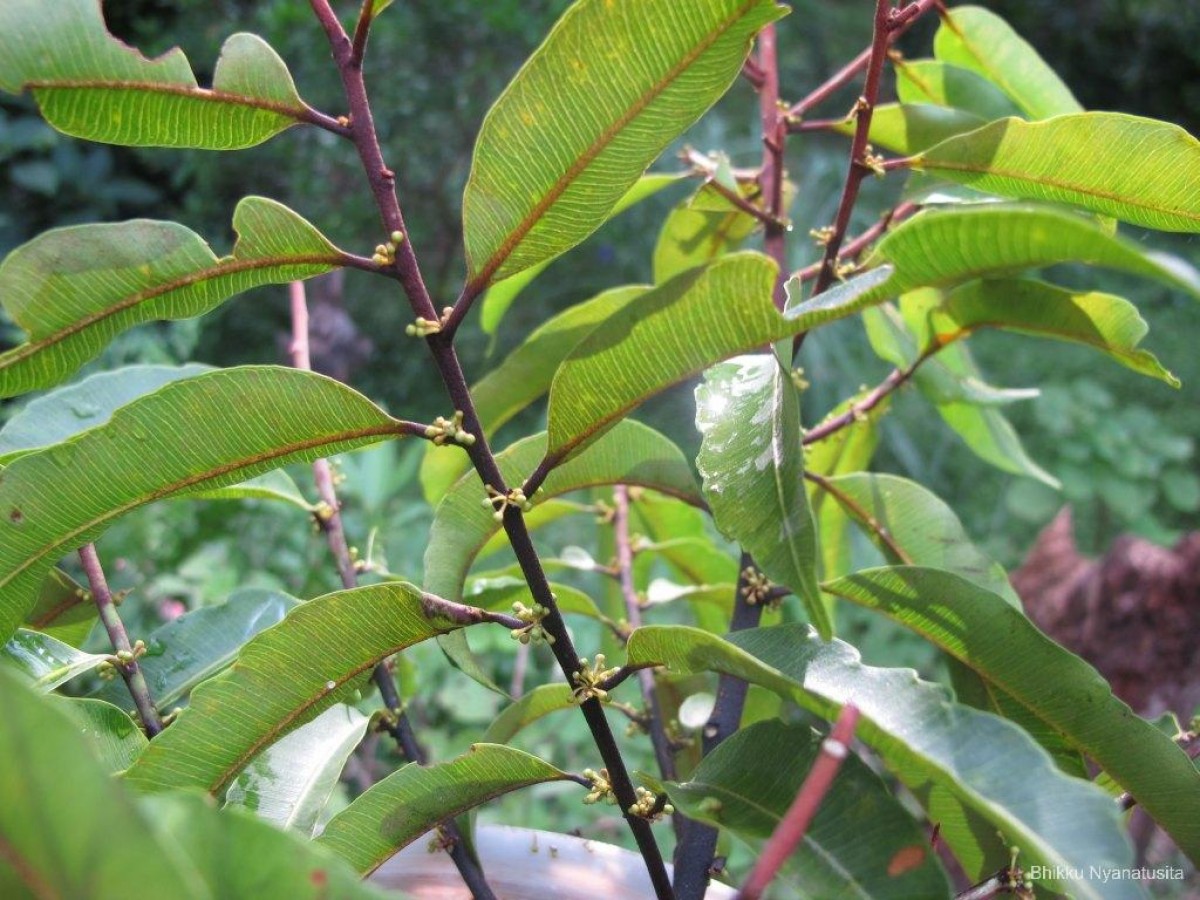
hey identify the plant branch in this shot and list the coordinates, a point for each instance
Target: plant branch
(655, 725)
(362, 30)
(382, 182)
(855, 248)
(792, 827)
(126, 661)
(330, 520)
(771, 176)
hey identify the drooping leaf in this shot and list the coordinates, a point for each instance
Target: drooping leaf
(74, 289)
(748, 412)
(699, 231)
(995, 639)
(46, 662)
(968, 768)
(115, 739)
(1137, 170)
(290, 782)
(181, 440)
(1103, 321)
(861, 843)
(630, 453)
(89, 84)
(500, 296)
(979, 40)
(64, 413)
(909, 128)
(955, 87)
(64, 609)
(523, 377)
(284, 677)
(537, 703)
(200, 643)
(614, 83)
(406, 804)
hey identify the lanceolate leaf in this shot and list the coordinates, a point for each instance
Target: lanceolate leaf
(200, 643)
(278, 486)
(115, 739)
(407, 803)
(1107, 323)
(996, 640)
(1138, 170)
(748, 411)
(46, 662)
(282, 678)
(90, 85)
(976, 39)
(174, 440)
(946, 753)
(500, 296)
(290, 782)
(74, 289)
(614, 83)
(861, 842)
(909, 128)
(523, 377)
(64, 413)
(64, 609)
(957, 87)
(533, 705)
(698, 231)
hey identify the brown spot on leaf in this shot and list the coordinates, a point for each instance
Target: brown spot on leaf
(16, 516)
(905, 860)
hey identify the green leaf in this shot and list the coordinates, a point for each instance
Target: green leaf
(630, 453)
(956, 87)
(696, 559)
(979, 40)
(180, 439)
(282, 678)
(861, 843)
(945, 753)
(1107, 323)
(91, 85)
(115, 739)
(573, 131)
(909, 128)
(523, 377)
(500, 296)
(68, 829)
(1138, 170)
(995, 639)
(698, 231)
(545, 513)
(748, 412)
(64, 413)
(402, 807)
(278, 486)
(200, 643)
(537, 703)
(499, 594)
(289, 783)
(63, 610)
(121, 275)
(47, 662)
(675, 330)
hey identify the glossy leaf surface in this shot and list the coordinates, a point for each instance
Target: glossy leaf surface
(614, 83)
(47, 662)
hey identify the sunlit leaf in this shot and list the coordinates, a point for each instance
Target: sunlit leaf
(861, 843)
(181, 440)
(282, 678)
(89, 84)
(956, 87)
(979, 40)
(1137, 170)
(748, 412)
(614, 83)
(406, 804)
(124, 274)
(698, 231)
(909, 128)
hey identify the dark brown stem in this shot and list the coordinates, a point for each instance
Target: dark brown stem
(406, 268)
(655, 725)
(330, 520)
(746, 206)
(792, 827)
(130, 671)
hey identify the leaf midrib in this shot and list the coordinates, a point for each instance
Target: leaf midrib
(606, 137)
(29, 348)
(210, 95)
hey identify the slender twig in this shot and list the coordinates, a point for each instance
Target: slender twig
(126, 659)
(861, 513)
(655, 725)
(792, 827)
(330, 521)
(322, 120)
(745, 205)
(771, 177)
(406, 269)
(855, 248)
